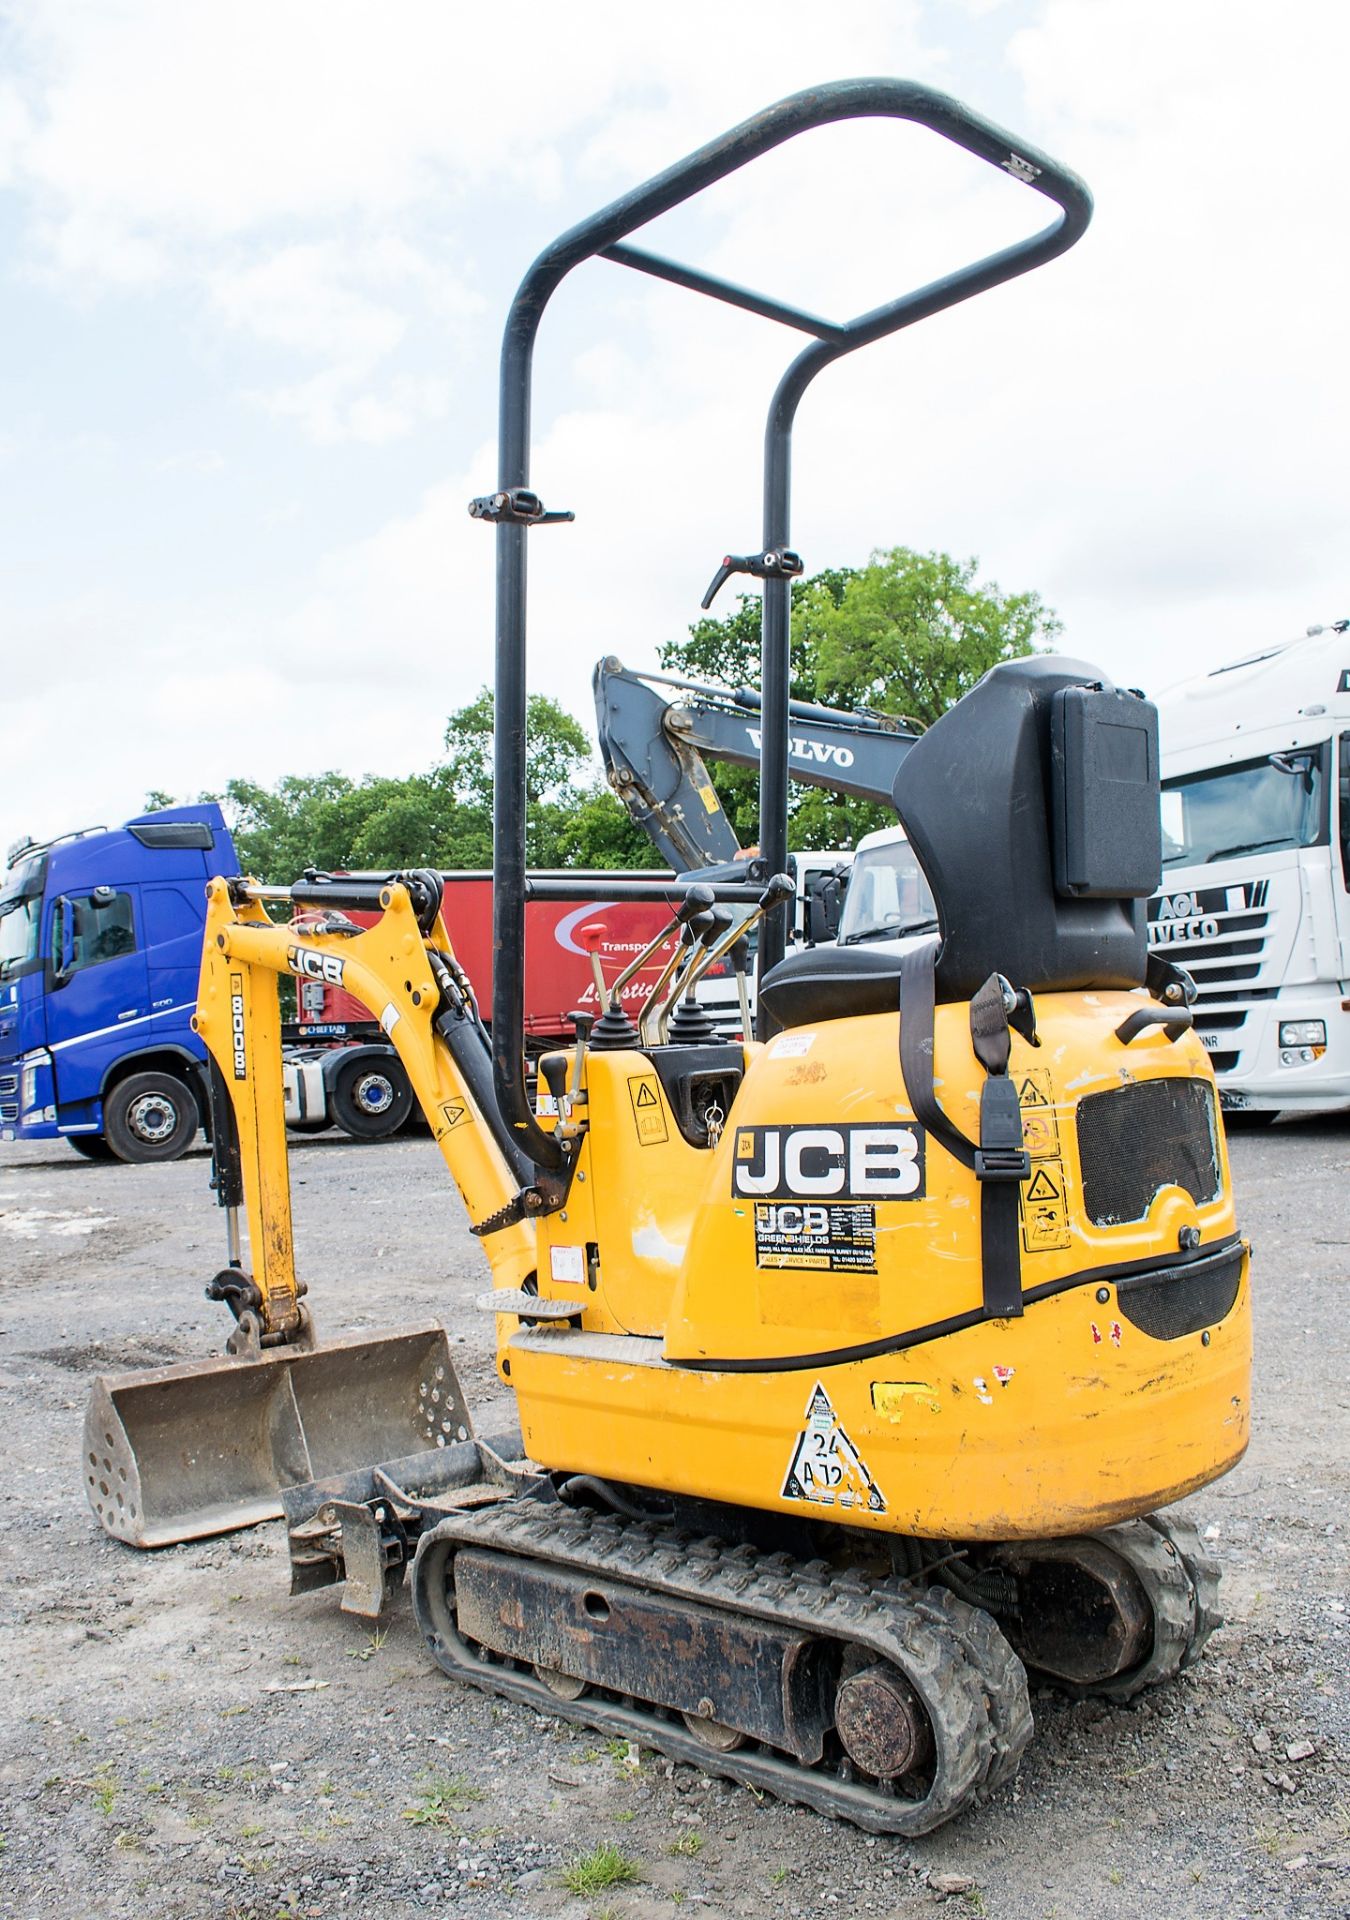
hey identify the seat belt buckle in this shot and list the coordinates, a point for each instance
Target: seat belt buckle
(1002, 1163)
(1001, 1154)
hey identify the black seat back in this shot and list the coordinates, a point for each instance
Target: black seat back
(1033, 808)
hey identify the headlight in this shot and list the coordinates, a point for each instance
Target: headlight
(1303, 1033)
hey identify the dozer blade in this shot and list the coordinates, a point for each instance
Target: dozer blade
(178, 1453)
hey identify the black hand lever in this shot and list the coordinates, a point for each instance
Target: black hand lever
(779, 889)
(697, 901)
(776, 563)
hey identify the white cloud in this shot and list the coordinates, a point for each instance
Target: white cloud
(1148, 431)
(347, 307)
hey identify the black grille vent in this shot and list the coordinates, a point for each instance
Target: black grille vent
(1138, 1139)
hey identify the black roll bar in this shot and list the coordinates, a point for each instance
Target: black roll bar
(514, 507)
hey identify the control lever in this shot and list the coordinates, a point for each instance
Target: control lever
(583, 1022)
(676, 976)
(779, 889)
(705, 930)
(592, 938)
(553, 1066)
(775, 563)
(698, 900)
(740, 960)
(720, 919)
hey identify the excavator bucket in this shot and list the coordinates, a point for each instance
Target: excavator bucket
(182, 1452)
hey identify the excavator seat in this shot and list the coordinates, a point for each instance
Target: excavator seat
(831, 983)
(1032, 806)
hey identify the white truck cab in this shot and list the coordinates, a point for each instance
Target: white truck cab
(1255, 898)
(888, 900)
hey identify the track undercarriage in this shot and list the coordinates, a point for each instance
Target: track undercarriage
(890, 1691)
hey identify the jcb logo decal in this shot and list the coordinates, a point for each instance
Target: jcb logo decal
(315, 966)
(238, 1042)
(828, 1163)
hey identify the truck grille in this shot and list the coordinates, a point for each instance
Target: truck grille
(1222, 942)
(1220, 936)
(9, 1083)
(1136, 1140)
(9, 1111)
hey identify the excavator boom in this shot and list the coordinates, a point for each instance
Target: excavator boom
(655, 731)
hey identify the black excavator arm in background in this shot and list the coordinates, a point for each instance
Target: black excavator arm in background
(655, 730)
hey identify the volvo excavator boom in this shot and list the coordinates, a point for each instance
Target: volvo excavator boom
(655, 730)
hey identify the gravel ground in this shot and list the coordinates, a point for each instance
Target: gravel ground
(184, 1739)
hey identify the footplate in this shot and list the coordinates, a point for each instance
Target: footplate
(747, 1658)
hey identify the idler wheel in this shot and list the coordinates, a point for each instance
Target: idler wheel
(878, 1717)
(1084, 1616)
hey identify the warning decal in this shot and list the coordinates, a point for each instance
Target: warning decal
(1040, 1128)
(648, 1114)
(830, 1239)
(826, 1468)
(454, 1113)
(1045, 1217)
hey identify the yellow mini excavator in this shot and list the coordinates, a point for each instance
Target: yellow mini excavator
(853, 1364)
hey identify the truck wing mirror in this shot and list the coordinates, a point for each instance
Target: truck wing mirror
(63, 939)
(824, 903)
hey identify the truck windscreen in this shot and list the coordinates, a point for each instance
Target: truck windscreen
(1259, 806)
(18, 933)
(887, 896)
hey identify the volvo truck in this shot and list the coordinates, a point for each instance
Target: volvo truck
(100, 947)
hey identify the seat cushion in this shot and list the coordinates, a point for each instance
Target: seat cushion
(831, 983)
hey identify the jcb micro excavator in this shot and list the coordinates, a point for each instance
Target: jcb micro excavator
(854, 1364)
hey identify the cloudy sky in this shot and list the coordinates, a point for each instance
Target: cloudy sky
(256, 257)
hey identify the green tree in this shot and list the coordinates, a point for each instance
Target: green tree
(912, 632)
(907, 635)
(443, 817)
(727, 653)
(599, 832)
(572, 819)
(727, 650)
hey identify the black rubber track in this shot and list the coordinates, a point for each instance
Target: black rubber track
(972, 1686)
(1145, 1548)
(1204, 1577)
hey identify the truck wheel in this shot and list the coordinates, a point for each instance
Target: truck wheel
(371, 1098)
(91, 1146)
(150, 1116)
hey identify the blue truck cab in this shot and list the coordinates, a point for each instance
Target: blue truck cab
(100, 949)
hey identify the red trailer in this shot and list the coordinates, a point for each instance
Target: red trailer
(345, 1073)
